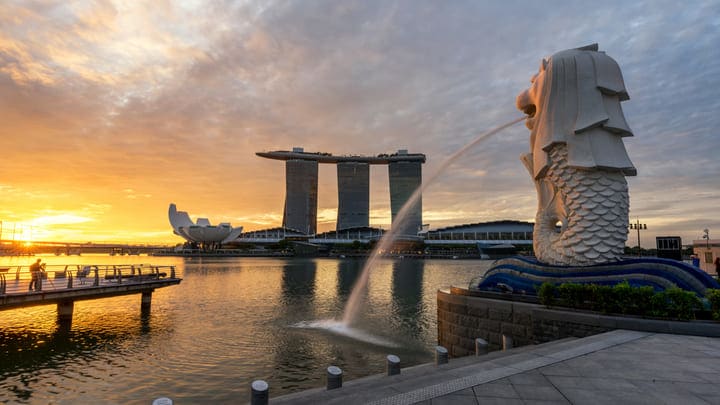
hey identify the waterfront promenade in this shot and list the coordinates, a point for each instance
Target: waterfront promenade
(621, 366)
(64, 284)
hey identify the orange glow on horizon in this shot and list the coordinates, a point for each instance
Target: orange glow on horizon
(112, 110)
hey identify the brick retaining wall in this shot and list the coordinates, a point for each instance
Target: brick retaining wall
(463, 318)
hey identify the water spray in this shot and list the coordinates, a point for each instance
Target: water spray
(354, 302)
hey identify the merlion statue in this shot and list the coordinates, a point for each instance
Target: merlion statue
(577, 157)
(578, 162)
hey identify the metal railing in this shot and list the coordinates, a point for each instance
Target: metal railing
(17, 279)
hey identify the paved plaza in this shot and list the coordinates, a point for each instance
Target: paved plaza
(618, 367)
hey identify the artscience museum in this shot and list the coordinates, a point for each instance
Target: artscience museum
(201, 232)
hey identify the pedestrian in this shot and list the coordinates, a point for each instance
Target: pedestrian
(35, 275)
(717, 266)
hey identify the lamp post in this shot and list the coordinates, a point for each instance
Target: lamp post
(637, 225)
(707, 238)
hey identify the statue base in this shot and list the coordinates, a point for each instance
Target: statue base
(523, 275)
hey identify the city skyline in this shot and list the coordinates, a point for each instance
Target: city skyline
(111, 111)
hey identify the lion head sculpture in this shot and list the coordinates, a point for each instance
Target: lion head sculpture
(577, 157)
(575, 99)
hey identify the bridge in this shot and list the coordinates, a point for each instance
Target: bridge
(64, 284)
(18, 248)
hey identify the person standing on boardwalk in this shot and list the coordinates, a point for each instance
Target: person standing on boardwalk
(35, 275)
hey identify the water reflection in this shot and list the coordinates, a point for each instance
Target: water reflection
(31, 357)
(205, 265)
(348, 272)
(37, 349)
(295, 353)
(407, 295)
(298, 283)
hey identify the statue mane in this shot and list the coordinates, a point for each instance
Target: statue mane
(579, 105)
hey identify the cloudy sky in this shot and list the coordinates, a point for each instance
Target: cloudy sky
(111, 110)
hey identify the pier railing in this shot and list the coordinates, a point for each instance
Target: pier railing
(17, 279)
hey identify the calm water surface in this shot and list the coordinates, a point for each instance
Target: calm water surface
(230, 321)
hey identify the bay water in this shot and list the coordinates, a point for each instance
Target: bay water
(230, 321)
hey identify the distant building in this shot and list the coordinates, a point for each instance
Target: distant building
(363, 234)
(202, 232)
(353, 195)
(707, 250)
(271, 235)
(301, 195)
(301, 187)
(488, 239)
(495, 232)
(669, 247)
(405, 177)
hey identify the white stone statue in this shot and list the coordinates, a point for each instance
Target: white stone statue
(577, 157)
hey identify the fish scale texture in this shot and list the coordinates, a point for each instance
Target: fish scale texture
(595, 204)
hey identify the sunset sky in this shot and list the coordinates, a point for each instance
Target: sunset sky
(111, 110)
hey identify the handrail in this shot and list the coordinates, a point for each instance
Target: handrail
(102, 275)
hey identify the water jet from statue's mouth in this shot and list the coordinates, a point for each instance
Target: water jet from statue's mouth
(529, 110)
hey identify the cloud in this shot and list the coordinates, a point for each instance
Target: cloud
(172, 99)
(60, 219)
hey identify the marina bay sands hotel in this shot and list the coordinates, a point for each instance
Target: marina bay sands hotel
(353, 174)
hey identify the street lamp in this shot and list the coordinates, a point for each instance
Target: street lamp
(707, 238)
(637, 225)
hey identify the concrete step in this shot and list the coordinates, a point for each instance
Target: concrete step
(362, 389)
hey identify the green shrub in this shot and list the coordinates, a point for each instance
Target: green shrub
(642, 299)
(713, 296)
(626, 299)
(547, 293)
(633, 300)
(573, 295)
(623, 295)
(603, 299)
(675, 303)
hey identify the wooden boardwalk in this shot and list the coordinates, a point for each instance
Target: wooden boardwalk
(63, 285)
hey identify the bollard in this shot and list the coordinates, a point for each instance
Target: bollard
(481, 347)
(162, 401)
(334, 378)
(507, 342)
(393, 364)
(441, 355)
(259, 393)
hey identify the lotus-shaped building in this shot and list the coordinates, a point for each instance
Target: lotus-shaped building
(202, 231)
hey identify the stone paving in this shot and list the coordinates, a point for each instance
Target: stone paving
(618, 367)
